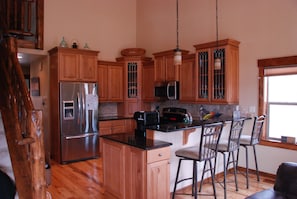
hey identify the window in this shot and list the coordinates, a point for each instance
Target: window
(281, 104)
(278, 97)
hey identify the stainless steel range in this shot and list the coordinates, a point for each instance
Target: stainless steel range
(174, 115)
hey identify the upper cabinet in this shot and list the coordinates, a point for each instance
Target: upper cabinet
(74, 64)
(165, 70)
(187, 78)
(133, 60)
(110, 80)
(217, 85)
(148, 86)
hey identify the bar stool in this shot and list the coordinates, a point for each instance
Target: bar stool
(210, 135)
(252, 140)
(227, 147)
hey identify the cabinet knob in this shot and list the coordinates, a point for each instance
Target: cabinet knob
(160, 154)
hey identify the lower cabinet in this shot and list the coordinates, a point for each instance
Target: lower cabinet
(158, 174)
(108, 127)
(133, 173)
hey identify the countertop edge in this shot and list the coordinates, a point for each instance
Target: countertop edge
(138, 142)
(108, 118)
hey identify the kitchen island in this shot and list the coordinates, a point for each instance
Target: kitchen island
(186, 134)
(135, 167)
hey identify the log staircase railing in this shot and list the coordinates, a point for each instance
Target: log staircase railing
(22, 124)
(25, 19)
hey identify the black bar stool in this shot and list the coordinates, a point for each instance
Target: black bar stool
(252, 140)
(227, 147)
(210, 135)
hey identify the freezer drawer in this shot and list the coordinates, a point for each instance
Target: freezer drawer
(80, 147)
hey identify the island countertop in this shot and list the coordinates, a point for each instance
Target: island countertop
(176, 126)
(136, 141)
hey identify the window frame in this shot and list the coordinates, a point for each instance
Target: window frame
(272, 63)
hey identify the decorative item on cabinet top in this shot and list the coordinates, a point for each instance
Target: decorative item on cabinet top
(133, 52)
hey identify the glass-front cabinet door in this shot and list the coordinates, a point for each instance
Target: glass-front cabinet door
(211, 78)
(132, 80)
(217, 72)
(218, 75)
(204, 75)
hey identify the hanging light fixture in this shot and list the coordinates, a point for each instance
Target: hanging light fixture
(178, 53)
(217, 61)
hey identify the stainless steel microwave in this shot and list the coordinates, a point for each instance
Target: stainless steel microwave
(167, 90)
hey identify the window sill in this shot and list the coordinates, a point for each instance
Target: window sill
(278, 144)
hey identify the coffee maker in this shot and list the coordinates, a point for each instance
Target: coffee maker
(144, 119)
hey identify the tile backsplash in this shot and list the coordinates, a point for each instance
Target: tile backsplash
(194, 108)
(110, 109)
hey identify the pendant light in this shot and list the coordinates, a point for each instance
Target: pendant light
(178, 53)
(217, 61)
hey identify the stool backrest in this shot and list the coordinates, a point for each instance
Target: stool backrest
(234, 134)
(210, 136)
(257, 129)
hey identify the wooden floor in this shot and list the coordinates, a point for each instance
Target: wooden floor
(83, 180)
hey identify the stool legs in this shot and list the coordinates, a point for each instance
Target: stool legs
(176, 179)
(225, 165)
(212, 173)
(195, 178)
(225, 175)
(256, 163)
(247, 164)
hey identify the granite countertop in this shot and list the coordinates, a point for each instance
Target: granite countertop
(106, 118)
(136, 141)
(171, 127)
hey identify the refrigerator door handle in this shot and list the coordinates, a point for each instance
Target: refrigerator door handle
(80, 136)
(85, 111)
(79, 108)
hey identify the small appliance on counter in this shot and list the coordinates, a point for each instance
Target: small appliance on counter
(173, 114)
(144, 119)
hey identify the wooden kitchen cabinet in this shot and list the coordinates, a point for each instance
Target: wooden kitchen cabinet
(165, 70)
(218, 86)
(67, 64)
(114, 176)
(132, 173)
(74, 64)
(148, 86)
(110, 81)
(108, 127)
(158, 171)
(133, 60)
(187, 79)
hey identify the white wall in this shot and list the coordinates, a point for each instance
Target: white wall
(265, 28)
(106, 25)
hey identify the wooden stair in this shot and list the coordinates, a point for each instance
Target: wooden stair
(22, 124)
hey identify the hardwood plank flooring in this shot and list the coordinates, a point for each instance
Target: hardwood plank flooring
(84, 180)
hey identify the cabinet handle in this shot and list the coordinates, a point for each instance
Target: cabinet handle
(160, 154)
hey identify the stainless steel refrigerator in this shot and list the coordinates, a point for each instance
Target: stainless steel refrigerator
(79, 121)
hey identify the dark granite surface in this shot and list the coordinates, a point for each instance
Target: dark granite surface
(147, 144)
(171, 127)
(105, 118)
(136, 141)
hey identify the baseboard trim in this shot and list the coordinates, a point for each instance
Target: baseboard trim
(241, 170)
